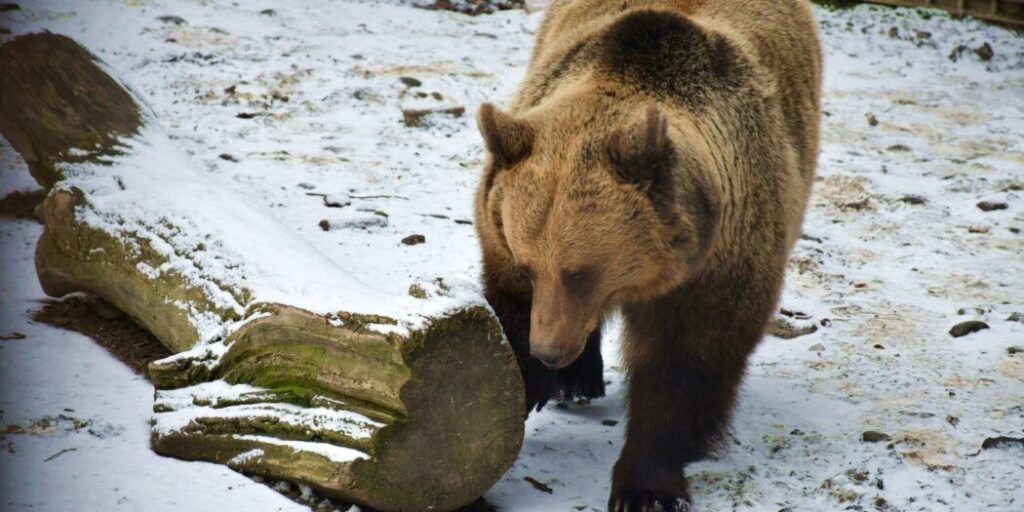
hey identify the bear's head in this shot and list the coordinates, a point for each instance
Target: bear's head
(595, 210)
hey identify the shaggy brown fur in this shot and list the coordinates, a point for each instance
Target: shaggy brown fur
(657, 158)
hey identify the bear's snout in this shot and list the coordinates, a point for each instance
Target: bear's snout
(551, 355)
(558, 324)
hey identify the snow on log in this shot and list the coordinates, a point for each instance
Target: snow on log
(286, 366)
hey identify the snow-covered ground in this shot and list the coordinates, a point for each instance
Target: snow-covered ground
(896, 252)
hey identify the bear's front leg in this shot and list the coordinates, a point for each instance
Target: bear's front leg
(512, 306)
(583, 379)
(684, 366)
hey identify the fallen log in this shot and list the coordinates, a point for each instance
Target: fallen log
(285, 365)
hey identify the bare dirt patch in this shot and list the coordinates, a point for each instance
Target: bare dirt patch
(21, 204)
(122, 337)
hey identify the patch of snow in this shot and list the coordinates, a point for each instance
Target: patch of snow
(183, 406)
(244, 457)
(333, 452)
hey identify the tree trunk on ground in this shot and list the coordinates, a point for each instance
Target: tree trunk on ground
(286, 366)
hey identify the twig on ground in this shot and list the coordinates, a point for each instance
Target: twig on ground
(58, 454)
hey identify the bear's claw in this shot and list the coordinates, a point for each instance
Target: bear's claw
(648, 501)
(574, 390)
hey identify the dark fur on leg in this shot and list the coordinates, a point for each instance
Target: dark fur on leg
(514, 314)
(684, 374)
(583, 380)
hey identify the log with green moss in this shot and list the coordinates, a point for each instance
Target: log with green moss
(285, 366)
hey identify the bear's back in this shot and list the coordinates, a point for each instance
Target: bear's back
(685, 51)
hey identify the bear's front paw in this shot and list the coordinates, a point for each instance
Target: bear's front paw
(581, 381)
(648, 501)
(578, 388)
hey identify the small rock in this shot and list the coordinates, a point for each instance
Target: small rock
(984, 52)
(417, 291)
(988, 206)
(953, 420)
(366, 94)
(1014, 350)
(874, 436)
(894, 32)
(410, 81)
(898, 148)
(414, 240)
(1016, 316)
(331, 202)
(268, 12)
(872, 120)
(437, 96)
(817, 347)
(442, 285)
(362, 219)
(863, 204)
(923, 34)
(13, 336)
(465, 222)
(9, 7)
(175, 20)
(799, 315)
(227, 157)
(609, 423)
(913, 199)
(416, 116)
(965, 328)
(246, 115)
(978, 229)
(879, 346)
(306, 185)
(1002, 442)
(783, 328)
(957, 52)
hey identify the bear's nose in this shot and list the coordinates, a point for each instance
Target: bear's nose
(550, 358)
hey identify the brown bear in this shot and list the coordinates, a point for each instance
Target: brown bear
(656, 159)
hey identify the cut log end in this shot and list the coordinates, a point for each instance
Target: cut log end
(454, 429)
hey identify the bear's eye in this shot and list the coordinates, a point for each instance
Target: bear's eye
(579, 280)
(527, 271)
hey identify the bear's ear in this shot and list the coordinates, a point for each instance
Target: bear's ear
(508, 139)
(642, 153)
